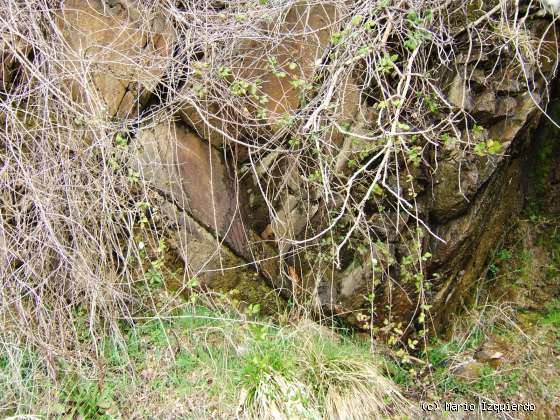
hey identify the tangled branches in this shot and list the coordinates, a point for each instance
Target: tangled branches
(334, 114)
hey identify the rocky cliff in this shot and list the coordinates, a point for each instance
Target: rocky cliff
(359, 158)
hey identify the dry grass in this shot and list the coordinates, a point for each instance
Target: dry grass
(329, 377)
(67, 212)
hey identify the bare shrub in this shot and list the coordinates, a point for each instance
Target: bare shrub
(69, 197)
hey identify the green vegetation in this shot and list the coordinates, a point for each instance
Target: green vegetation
(486, 379)
(216, 362)
(302, 370)
(551, 319)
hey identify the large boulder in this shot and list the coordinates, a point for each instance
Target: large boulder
(201, 203)
(465, 188)
(473, 189)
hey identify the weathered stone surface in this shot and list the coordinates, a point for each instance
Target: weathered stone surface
(204, 258)
(458, 94)
(356, 121)
(468, 198)
(291, 220)
(310, 27)
(200, 201)
(7, 64)
(470, 370)
(474, 198)
(543, 180)
(295, 58)
(116, 58)
(211, 122)
(461, 174)
(471, 234)
(493, 351)
(345, 292)
(192, 172)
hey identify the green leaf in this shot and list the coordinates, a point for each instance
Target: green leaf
(404, 126)
(369, 25)
(120, 140)
(413, 17)
(193, 282)
(357, 20)
(224, 71)
(477, 129)
(337, 37)
(363, 51)
(493, 147)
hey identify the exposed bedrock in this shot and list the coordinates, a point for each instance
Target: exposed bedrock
(205, 206)
(275, 65)
(226, 221)
(115, 54)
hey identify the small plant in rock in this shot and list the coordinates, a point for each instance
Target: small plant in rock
(154, 275)
(417, 34)
(387, 63)
(488, 147)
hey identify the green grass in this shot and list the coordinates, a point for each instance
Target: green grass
(491, 382)
(219, 363)
(552, 314)
(302, 371)
(551, 319)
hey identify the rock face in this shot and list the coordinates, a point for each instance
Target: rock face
(468, 199)
(543, 168)
(296, 58)
(116, 55)
(200, 202)
(474, 198)
(9, 64)
(470, 188)
(492, 190)
(184, 167)
(293, 151)
(280, 71)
